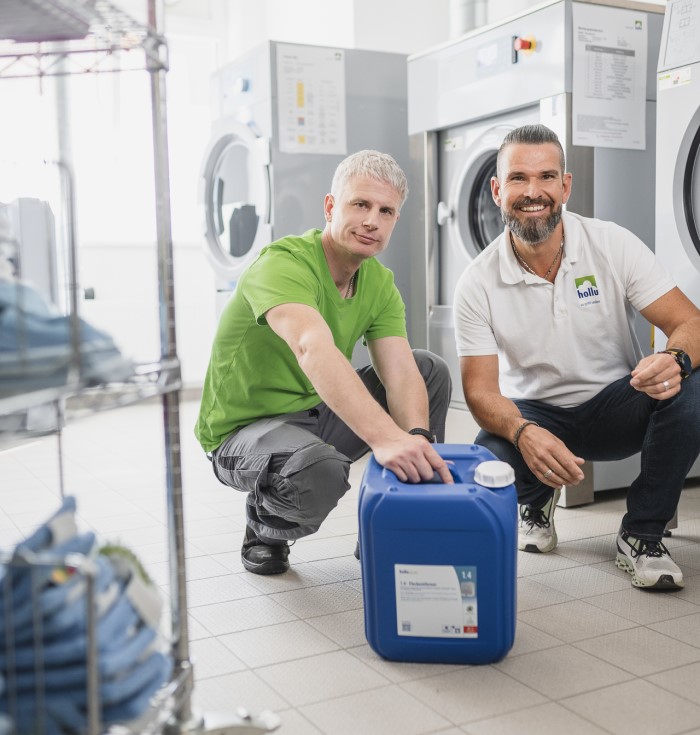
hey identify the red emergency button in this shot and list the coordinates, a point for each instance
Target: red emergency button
(523, 44)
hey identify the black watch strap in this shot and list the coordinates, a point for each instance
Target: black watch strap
(423, 432)
(682, 359)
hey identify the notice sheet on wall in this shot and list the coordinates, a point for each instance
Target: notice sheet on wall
(609, 77)
(311, 99)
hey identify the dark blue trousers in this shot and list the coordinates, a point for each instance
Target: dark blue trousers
(617, 423)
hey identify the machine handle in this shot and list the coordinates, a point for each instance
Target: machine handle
(444, 213)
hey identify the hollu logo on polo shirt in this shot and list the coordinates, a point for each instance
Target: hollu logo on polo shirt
(587, 291)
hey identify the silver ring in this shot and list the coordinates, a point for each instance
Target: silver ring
(547, 474)
(667, 385)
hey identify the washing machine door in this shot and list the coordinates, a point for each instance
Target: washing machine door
(235, 195)
(469, 218)
(686, 187)
(477, 218)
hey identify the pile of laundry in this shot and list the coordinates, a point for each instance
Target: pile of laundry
(36, 344)
(44, 603)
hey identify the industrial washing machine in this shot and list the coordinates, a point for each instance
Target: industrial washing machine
(463, 98)
(678, 147)
(285, 115)
(678, 154)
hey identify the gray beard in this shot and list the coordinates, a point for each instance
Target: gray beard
(532, 231)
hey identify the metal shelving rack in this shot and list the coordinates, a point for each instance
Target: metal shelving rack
(67, 37)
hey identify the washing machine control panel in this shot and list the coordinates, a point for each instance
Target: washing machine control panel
(680, 45)
(480, 73)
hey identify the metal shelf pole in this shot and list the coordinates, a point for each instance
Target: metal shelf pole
(170, 400)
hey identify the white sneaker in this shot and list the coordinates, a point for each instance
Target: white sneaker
(536, 530)
(648, 562)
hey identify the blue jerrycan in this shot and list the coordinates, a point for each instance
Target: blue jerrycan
(439, 561)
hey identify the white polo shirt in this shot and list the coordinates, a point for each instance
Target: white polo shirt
(560, 342)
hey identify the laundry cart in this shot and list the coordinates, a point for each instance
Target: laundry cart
(82, 648)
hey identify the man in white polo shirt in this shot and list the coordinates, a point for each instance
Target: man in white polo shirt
(551, 367)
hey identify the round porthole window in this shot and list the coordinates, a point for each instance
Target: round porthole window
(236, 200)
(691, 192)
(233, 209)
(485, 221)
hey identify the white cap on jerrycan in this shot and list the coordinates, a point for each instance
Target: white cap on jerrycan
(494, 474)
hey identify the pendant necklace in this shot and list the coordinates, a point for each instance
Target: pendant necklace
(350, 287)
(524, 264)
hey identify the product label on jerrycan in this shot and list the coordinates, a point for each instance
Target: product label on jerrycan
(436, 601)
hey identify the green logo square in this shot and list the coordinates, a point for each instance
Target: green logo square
(583, 279)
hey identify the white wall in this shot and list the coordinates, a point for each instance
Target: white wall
(500, 9)
(399, 26)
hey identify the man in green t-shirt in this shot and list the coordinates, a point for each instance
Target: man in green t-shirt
(283, 412)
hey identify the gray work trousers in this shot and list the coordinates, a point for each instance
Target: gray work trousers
(295, 467)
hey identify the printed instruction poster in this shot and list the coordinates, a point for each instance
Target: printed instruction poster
(311, 99)
(609, 77)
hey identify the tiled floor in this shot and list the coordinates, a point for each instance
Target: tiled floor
(592, 655)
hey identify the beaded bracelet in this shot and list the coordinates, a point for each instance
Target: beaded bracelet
(423, 432)
(519, 431)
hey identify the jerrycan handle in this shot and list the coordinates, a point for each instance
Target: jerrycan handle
(437, 480)
(494, 474)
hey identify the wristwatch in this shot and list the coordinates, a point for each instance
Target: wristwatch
(682, 359)
(423, 432)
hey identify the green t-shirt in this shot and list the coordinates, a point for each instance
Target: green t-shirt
(252, 372)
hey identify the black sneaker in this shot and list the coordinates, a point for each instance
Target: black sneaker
(261, 558)
(357, 550)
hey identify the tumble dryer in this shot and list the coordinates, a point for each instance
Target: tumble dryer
(285, 115)
(465, 96)
(678, 148)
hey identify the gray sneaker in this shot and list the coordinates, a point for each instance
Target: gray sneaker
(536, 532)
(648, 562)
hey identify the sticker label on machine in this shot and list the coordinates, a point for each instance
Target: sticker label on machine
(436, 601)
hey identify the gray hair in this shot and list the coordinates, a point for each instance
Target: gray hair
(376, 165)
(531, 135)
